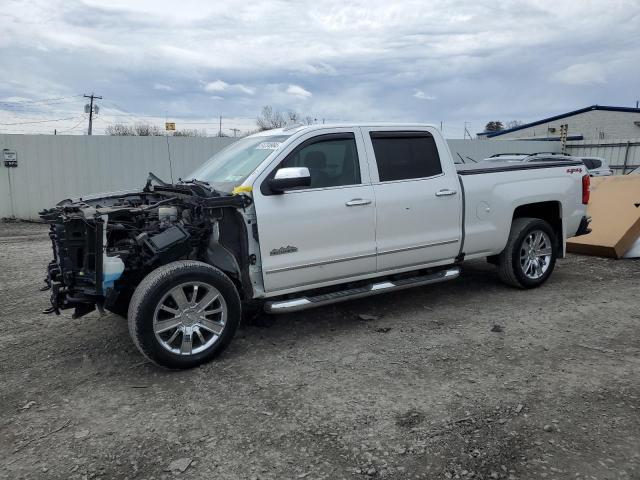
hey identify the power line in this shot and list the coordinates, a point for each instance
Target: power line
(21, 102)
(74, 127)
(45, 107)
(40, 121)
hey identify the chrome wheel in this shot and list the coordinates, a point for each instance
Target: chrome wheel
(190, 318)
(535, 254)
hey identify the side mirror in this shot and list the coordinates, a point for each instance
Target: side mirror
(288, 178)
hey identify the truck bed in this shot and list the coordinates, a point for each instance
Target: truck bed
(490, 200)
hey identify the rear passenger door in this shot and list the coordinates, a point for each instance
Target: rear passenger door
(418, 198)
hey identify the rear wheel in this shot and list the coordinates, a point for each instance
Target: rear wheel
(183, 314)
(530, 255)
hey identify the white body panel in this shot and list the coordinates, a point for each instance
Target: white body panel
(413, 225)
(334, 238)
(492, 198)
(402, 225)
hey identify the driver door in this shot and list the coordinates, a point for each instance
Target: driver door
(323, 233)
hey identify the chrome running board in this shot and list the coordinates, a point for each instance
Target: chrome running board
(303, 303)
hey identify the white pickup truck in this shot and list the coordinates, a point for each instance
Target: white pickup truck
(301, 217)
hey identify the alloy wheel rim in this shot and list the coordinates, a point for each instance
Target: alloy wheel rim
(535, 254)
(190, 318)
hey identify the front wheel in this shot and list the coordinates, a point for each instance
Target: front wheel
(530, 255)
(183, 314)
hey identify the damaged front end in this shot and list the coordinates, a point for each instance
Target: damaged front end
(104, 246)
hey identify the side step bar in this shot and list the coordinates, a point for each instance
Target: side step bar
(303, 303)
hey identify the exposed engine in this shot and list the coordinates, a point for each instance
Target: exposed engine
(104, 246)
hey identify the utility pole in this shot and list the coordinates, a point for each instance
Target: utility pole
(90, 110)
(466, 132)
(220, 131)
(235, 132)
(564, 131)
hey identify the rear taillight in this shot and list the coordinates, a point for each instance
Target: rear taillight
(586, 188)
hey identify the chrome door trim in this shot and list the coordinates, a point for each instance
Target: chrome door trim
(417, 247)
(368, 275)
(318, 264)
(357, 257)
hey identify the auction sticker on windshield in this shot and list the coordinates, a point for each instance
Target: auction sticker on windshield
(268, 146)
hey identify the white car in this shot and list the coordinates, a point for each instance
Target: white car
(597, 166)
(296, 218)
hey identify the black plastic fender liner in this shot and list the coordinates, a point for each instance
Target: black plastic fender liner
(584, 229)
(234, 237)
(460, 257)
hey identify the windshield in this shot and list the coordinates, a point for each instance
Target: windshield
(230, 167)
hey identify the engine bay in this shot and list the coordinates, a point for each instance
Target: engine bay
(103, 246)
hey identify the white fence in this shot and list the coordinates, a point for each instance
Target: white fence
(622, 155)
(51, 168)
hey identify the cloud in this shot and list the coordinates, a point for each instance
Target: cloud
(162, 87)
(581, 74)
(220, 86)
(342, 61)
(298, 91)
(420, 95)
(217, 86)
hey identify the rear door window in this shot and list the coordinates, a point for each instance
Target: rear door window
(405, 155)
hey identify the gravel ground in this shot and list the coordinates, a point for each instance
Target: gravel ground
(467, 379)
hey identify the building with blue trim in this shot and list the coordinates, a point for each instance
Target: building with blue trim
(596, 122)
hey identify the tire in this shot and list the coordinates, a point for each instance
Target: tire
(526, 235)
(175, 330)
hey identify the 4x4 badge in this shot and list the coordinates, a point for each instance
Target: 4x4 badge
(283, 250)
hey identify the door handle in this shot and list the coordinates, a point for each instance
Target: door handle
(358, 201)
(445, 193)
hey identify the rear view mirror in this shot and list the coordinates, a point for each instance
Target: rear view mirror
(288, 178)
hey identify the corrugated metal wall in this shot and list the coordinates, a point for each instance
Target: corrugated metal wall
(52, 168)
(479, 149)
(622, 155)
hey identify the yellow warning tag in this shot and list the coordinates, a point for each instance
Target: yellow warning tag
(242, 189)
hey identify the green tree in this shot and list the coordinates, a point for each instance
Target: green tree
(494, 126)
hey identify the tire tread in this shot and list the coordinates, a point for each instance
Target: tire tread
(152, 281)
(505, 260)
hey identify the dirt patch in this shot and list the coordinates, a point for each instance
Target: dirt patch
(407, 385)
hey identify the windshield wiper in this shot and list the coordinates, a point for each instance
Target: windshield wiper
(195, 182)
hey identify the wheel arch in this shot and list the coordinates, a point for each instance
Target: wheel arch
(229, 251)
(549, 211)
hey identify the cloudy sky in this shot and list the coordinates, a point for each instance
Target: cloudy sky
(450, 61)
